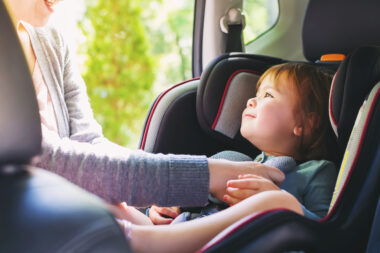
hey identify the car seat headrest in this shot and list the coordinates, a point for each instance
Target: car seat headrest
(225, 86)
(339, 26)
(20, 130)
(355, 78)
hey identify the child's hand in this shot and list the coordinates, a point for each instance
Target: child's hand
(124, 212)
(223, 170)
(163, 215)
(246, 186)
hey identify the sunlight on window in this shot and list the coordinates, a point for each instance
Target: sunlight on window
(261, 15)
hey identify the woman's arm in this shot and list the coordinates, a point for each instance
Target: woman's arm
(118, 174)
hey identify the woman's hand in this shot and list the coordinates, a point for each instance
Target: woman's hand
(223, 170)
(246, 186)
(163, 215)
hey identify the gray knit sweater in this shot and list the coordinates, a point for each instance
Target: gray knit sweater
(86, 158)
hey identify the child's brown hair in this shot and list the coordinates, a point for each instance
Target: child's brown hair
(313, 86)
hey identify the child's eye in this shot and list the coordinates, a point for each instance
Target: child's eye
(268, 95)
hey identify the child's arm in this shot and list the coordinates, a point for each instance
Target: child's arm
(190, 236)
(246, 186)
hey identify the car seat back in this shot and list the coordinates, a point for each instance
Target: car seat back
(357, 80)
(171, 125)
(358, 184)
(20, 133)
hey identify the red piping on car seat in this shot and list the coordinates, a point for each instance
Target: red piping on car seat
(226, 90)
(330, 101)
(155, 105)
(356, 158)
(235, 226)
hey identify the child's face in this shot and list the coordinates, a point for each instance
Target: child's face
(269, 121)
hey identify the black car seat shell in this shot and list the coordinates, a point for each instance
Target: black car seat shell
(40, 211)
(171, 125)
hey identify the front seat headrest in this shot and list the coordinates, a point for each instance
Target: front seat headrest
(339, 26)
(20, 129)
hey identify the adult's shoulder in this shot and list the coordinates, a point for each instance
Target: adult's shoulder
(49, 36)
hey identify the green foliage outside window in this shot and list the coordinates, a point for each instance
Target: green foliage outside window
(118, 70)
(136, 49)
(169, 29)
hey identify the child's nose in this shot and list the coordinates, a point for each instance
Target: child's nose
(251, 102)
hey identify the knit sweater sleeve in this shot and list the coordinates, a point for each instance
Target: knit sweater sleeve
(108, 170)
(116, 174)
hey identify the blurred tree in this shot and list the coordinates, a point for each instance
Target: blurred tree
(169, 25)
(180, 21)
(118, 70)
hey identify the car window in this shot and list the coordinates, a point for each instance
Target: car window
(169, 30)
(128, 52)
(260, 16)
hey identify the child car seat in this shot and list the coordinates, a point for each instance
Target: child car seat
(39, 211)
(347, 225)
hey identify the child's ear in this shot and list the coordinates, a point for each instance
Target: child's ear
(305, 129)
(297, 131)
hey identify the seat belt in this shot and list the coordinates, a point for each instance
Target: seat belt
(233, 24)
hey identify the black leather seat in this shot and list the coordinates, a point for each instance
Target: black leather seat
(39, 211)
